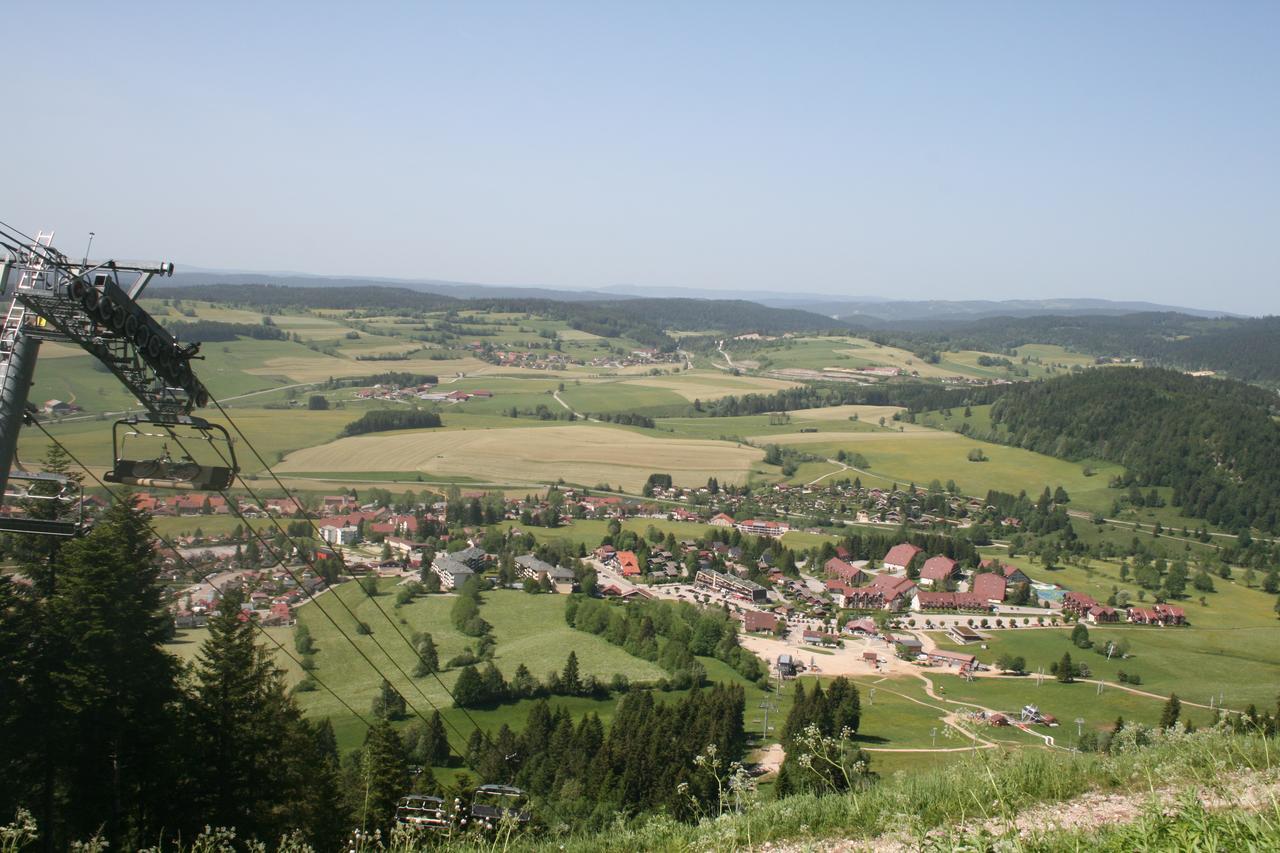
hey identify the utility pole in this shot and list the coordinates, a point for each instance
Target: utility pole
(1079, 727)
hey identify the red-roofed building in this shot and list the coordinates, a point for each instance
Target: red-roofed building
(1143, 616)
(721, 520)
(969, 601)
(628, 563)
(1101, 614)
(1077, 603)
(899, 557)
(990, 586)
(847, 572)
(283, 506)
(756, 621)
(885, 592)
(1170, 615)
(864, 627)
(937, 570)
(760, 527)
(819, 638)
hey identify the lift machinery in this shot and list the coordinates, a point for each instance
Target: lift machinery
(93, 305)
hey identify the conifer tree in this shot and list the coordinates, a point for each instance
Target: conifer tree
(468, 690)
(256, 763)
(385, 776)
(570, 681)
(388, 704)
(1066, 669)
(113, 687)
(1172, 710)
(429, 657)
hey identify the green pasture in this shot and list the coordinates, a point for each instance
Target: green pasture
(757, 426)
(923, 456)
(621, 396)
(1064, 701)
(1054, 355)
(530, 629)
(1230, 648)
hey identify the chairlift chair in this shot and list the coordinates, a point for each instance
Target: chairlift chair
(165, 471)
(420, 811)
(490, 804)
(68, 491)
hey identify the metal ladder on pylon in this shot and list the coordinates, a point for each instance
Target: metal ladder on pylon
(17, 314)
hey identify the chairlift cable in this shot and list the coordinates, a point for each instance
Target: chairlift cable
(312, 564)
(275, 554)
(310, 521)
(172, 547)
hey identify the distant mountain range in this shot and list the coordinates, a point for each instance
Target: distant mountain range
(909, 312)
(857, 311)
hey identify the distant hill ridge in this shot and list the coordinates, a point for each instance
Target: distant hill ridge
(643, 320)
(861, 310)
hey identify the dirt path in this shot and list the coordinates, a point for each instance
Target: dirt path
(578, 415)
(841, 470)
(1249, 791)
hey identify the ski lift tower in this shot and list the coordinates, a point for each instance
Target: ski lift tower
(93, 304)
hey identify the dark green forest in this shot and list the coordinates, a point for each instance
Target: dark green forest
(384, 420)
(1246, 348)
(1215, 442)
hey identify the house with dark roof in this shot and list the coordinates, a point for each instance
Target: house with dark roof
(451, 572)
(472, 557)
(963, 634)
(820, 638)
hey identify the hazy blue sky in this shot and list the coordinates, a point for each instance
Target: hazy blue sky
(904, 149)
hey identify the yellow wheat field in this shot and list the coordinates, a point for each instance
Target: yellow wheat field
(578, 454)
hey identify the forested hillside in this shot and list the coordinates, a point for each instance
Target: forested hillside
(643, 320)
(1246, 348)
(1216, 442)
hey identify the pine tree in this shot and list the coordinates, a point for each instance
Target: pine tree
(1080, 636)
(388, 704)
(385, 776)
(468, 690)
(254, 759)
(113, 691)
(429, 657)
(570, 682)
(1066, 669)
(1172, 710)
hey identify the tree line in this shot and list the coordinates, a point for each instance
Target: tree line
(384, 420)
(671, 634)
(211, 331)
